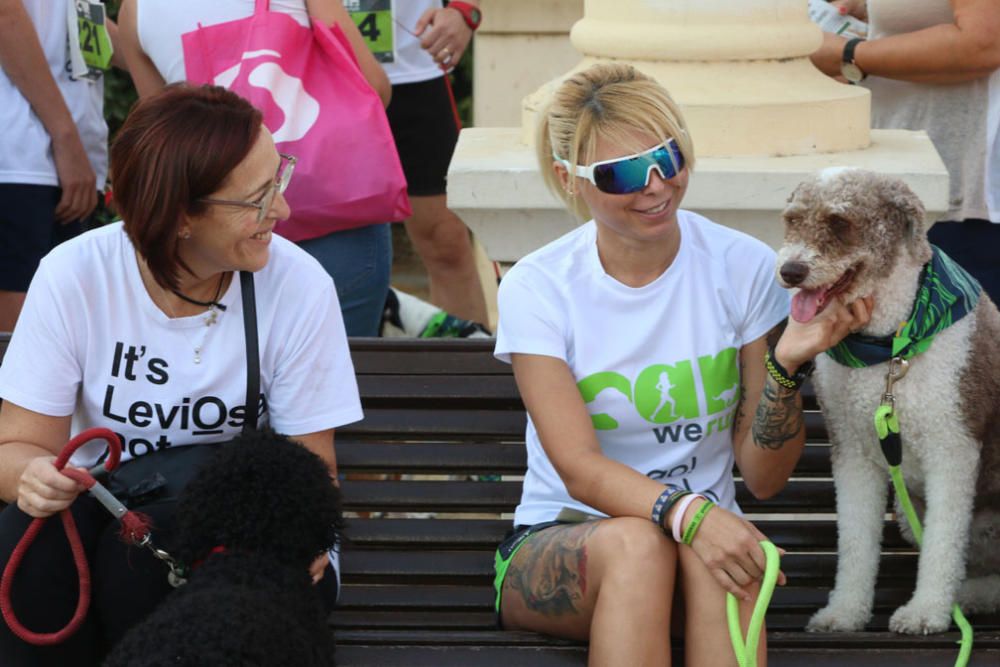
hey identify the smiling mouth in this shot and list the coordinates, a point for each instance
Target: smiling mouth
(808, 303)
(262, 236)
(659, 208)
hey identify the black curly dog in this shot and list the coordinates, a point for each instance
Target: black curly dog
(269, 503)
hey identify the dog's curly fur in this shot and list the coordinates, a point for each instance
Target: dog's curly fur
(863, 234)
(270, 503)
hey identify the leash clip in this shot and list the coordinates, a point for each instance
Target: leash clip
(897, 370)
(177, 576)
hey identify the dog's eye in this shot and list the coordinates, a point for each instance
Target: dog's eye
(838, 223)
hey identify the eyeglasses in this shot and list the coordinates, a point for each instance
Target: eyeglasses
(629, 174)
(263, 203)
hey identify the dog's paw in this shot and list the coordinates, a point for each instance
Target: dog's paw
(838, 618)
(919, 618)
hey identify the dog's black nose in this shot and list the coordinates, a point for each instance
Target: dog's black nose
(794, 273)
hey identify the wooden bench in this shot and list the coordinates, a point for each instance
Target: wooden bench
(418, 589)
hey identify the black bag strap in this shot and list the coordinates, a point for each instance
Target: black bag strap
(253, 351)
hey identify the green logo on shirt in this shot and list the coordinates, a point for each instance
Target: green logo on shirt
(665, 393)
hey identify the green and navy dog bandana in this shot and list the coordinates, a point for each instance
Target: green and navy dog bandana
(946, 294)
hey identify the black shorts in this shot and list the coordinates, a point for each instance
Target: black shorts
(425, 125)
(28, 231)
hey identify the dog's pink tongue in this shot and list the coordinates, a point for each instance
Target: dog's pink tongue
(805, 304)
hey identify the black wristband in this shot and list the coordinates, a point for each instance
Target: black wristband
(661, 508)
(788, 380)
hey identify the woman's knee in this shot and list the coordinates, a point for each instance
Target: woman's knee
(629, 547)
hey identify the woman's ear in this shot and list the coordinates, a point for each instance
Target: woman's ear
(565, 180)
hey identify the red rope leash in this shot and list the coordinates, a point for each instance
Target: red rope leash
(134, 528)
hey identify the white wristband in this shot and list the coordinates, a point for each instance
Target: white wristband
(682, 506)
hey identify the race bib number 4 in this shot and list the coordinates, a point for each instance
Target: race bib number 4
(95, 44)
(375, 22)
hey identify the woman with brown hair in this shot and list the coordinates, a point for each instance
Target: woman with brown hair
(138, 327)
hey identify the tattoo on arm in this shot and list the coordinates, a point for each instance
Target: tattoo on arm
(549, 571)
(741, 408)
(779, 417)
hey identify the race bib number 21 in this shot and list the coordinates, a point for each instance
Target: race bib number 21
(95, 45)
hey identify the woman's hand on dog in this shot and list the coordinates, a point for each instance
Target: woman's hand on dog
(43, 491)
(729, 546)
(318, 567)
(802, 341)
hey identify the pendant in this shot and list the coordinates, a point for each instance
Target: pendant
(197, 355)
(212, 318)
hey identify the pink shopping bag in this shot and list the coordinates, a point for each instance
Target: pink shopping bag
(319, 107)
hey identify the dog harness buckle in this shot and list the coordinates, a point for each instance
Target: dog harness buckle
(897, 369)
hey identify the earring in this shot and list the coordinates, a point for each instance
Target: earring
(186, 235)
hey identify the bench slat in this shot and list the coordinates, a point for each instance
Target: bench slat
(355, 453)
(359, 597)
(526, 656)
(451, 567)
(805, 534)
(395, 648)
(816, 640)
(403, 421)
(425, 357)
(472, 621)
(496, 390)
(805, 495)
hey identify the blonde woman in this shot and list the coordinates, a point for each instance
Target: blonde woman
(638, 343)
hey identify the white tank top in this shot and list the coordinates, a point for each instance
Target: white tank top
(160, 24)
(962, 119)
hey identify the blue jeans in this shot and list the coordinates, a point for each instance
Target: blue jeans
(360, 262)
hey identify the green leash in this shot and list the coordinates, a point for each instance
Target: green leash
(887, 427)
(746, 650)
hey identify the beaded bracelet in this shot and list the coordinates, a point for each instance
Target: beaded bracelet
(671, 494)
(696, 520)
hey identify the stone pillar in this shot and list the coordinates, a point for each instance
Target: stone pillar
(740, 71)
(520, 45)
(762, 119)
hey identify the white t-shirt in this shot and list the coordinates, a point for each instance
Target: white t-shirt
(962, 119)
(657, 365)
(411, 63)
(91, 343)
(160, 24)
(25, 145)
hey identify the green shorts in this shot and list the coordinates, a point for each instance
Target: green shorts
(505, 553)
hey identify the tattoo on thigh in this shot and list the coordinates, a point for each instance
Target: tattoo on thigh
(550, 570)
(778, 418)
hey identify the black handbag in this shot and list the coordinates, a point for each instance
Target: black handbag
(159, 477)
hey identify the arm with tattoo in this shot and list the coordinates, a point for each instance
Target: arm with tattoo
(779, 416)
(768, 447)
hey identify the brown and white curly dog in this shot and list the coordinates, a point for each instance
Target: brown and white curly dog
(851, 233)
